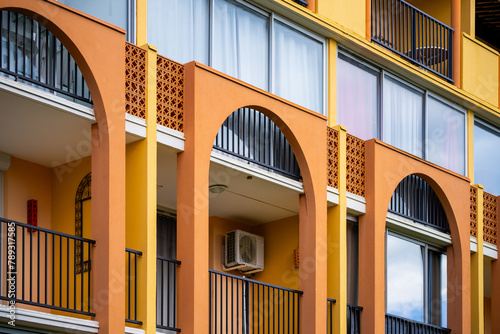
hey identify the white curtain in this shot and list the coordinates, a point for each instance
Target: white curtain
(445, 136)
(298, 67)
(241, 43)
(179, 29)
(403, 117)
(357, 104)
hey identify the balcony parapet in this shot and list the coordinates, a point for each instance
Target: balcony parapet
(45, 268)
(414, 35)
(395, 324)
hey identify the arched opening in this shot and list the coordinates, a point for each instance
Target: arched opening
(254, 189)
(50, 142)
(417, 237)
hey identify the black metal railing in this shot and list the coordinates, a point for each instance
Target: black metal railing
(414, 35)
(397, 325)
(330, 303)
(131, 285)
(41, 267)
(32, 54)
(166, 293)
(415, 199)
(250, 135)
(353, 317)
(241, 305)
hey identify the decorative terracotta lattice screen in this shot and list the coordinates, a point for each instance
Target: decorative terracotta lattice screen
(333, 158)
(473, 211)
(135, 80)
(355, 165)
(490, 218)
(170, 94)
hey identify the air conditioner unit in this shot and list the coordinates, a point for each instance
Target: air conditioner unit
(244, 251)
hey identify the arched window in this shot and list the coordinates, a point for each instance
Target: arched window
(83, 193)
(416, 264)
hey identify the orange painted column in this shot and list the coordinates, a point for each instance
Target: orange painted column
(495, 286)
(457, 36)
(372, 251)
(192, 219)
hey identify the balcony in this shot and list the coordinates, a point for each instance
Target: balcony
(45, 268)
(246, 306)
(414, 35)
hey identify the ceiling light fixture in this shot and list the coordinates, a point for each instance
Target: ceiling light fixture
(217, 188)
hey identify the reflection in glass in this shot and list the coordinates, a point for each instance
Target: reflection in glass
(357, 99)
(405, 278)
(437, 288)
(486, 160)
(445, 136)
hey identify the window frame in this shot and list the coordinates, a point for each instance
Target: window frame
(428, 246)
(272, 18)
(371, 67)
(487, 126)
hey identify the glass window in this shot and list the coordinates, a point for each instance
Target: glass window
(179, 29)
(113, 11)
(416, 281)
(403, 117)
(244, 42)
(486, 162)
(445, 135)
(357, 98)
(405, 278)
(241, 43)
(298, 66)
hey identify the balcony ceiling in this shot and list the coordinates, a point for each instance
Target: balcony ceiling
(42, 130)
(247, 200)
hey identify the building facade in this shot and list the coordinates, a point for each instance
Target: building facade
(264, 166)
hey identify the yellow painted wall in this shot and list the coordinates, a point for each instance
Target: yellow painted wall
(438, 9)
(281, 237)
(348, 13)
(23, 181)
(65, 181)
(63, 194)
(480, 70)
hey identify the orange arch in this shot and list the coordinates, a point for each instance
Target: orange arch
(99, 50)
(386, 166)
(210, 97)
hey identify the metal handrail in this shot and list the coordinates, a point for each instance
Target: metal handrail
(242, 305)
(31, 254)
(166, 293)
